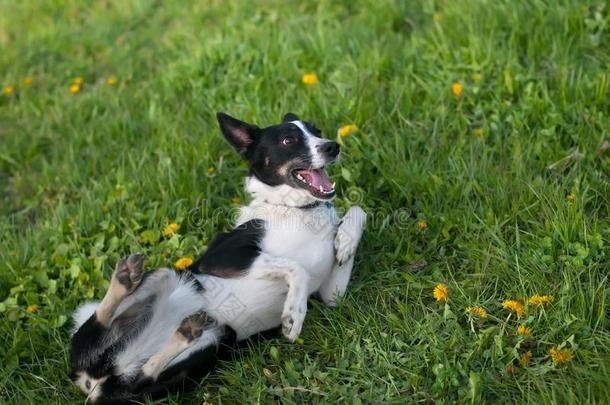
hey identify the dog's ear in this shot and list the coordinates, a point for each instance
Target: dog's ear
(240, 134)
(290, 117)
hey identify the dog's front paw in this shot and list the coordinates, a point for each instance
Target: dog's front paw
(344, 246)
(349, 233)
(292, 323)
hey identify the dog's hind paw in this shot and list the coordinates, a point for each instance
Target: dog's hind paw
(193, 325)
(128, 273)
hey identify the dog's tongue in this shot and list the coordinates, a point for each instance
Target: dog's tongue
(317, 178)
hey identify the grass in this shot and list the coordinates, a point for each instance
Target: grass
(511, 178)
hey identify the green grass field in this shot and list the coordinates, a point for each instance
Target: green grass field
(501, 186)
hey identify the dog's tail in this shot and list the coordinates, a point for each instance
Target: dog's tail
(176, 378)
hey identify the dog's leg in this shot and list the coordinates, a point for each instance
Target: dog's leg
(191, 328)
(295, 307)
(334, 287)
(346, 242)
(125, 279)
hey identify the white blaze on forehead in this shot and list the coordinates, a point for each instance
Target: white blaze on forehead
(317, 160)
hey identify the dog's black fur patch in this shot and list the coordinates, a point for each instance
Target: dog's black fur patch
(230, 253)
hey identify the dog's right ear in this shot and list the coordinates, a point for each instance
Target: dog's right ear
(240, 134)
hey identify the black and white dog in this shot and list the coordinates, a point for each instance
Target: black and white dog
(155, 330)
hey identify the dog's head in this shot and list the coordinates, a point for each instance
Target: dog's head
(291, 154)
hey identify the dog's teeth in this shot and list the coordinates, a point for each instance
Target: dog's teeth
(334, 184)
(321, 189)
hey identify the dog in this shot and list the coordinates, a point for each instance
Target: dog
(156, 330)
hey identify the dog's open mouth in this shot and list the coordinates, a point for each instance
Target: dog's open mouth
(316, 181)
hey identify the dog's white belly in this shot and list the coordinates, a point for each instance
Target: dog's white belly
(247, 305)
(312, 251)
(304, 236)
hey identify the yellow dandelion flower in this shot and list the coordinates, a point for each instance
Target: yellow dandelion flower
(570, 197)
(514, 306)
(440, 292)
(476, 77)
(523, 330)
(32, 308)
(437, 17)
(211, 170)
(560, 356)
(540, 300)
(28, 80)
(171, 229)
(183, 263)
(478, 132)
(111, 81)
(309, 79)
(477, 311)
(422, 225)
(74, 88)
(236, 200)
(524, 359)
(78, 80)
(346, 130)
(456, 89)
(8, 90)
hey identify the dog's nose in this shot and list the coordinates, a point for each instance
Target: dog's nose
(330, 148)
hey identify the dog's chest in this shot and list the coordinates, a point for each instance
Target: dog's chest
(303, 235)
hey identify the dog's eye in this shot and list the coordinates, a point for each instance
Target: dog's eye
(289, 140)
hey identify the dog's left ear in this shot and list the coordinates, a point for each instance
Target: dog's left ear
(240, 134)
(290, 117)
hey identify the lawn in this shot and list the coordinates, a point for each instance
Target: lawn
(482, 157)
